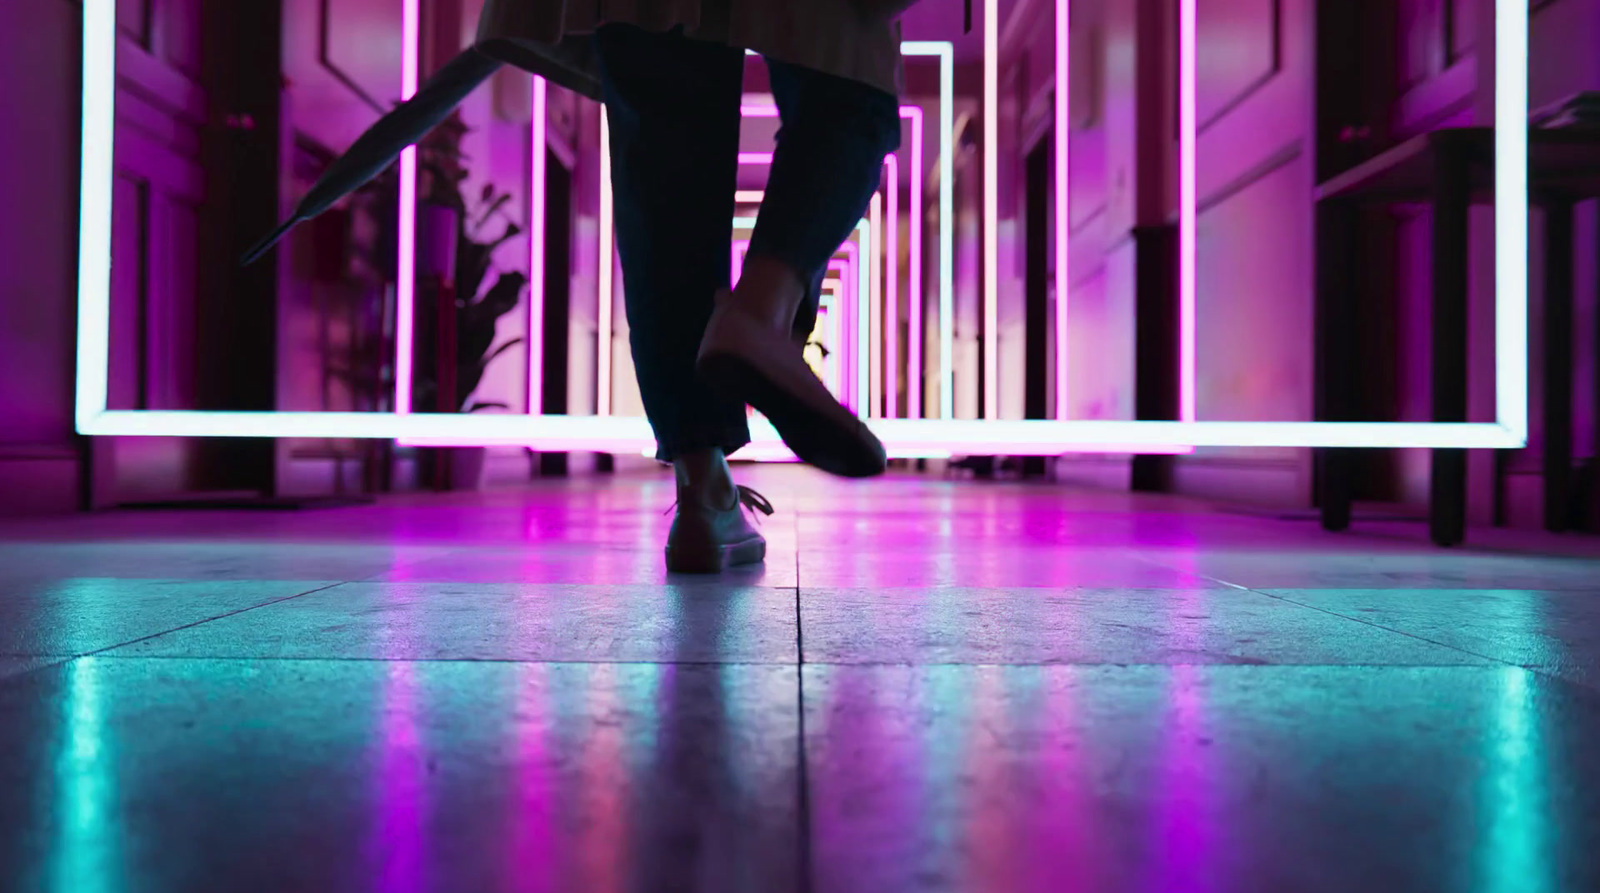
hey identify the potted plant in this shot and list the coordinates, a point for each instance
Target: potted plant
(455, 314)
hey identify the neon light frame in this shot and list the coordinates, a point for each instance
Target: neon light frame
(884, 304)
(903, 437)
(872, 278)
(853, 282)
(913, 113)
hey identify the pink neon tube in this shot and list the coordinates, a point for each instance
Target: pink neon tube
(912, 113)
(607, 273)
(891, 294)
(1188, 200)
(1063, 149)
(916, 297)
(876, 373)
(991, 210)
(406, 260)
(536, 258)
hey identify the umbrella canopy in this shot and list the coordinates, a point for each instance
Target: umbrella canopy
(383, 142)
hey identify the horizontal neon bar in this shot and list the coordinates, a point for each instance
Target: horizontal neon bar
(991, 436)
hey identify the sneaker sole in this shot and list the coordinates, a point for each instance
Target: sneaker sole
(717, 559)
(820, 437)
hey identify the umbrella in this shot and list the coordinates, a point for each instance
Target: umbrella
(378, 148)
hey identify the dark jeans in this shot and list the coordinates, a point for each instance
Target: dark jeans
(673, 108)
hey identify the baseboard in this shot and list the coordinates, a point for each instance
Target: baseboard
(39, 480)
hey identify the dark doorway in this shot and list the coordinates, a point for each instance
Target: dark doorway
(1036, 283)
(557, 300)
(1360, 335)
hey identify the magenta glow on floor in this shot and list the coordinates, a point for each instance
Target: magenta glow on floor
(932, 685)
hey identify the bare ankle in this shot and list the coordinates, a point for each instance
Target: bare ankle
(769, 290)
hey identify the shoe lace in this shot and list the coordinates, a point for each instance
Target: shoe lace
(748, 499)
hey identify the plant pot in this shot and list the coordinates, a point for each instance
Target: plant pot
(466, 465)
(451, 468)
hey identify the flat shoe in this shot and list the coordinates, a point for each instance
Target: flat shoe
(744, 360)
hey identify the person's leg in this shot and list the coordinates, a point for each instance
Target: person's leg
(673, 109)
(829, 160)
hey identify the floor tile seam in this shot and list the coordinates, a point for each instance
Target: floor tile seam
(1557, 587)
(1204, 576)
(804, 845)
(1544, 670)
(145, 638)
(1375, 625)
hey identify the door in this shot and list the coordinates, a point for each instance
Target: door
(158, 194)
(557, 299)
(1037, 249)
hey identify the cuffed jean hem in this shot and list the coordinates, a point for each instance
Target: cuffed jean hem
(729, 440)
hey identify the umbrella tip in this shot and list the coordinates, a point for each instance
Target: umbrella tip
(265, 245)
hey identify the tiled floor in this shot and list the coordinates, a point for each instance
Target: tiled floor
(931, 686)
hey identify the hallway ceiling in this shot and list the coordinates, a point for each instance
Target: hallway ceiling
(942, 20)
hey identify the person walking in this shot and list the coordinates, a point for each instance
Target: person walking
(670, 74)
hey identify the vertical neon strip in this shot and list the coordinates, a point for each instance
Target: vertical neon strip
(94, 209)
(828, 312)
(536, 259)
(1511, 215)
(945, 51)
(850, 325)
(1188, 207)
(991, 207)
(1063, 149)
(875, 268)
(914, 408)
(406, 261)
(602, 398)
(864, 295)
(891, 293)
(947, 227)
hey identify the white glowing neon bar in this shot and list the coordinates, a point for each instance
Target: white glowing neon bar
(902, 437)
(94, 212)
(947, 209)
(1511, 43)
